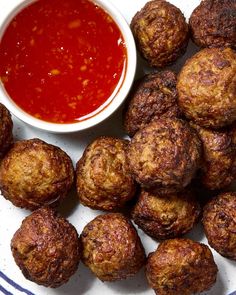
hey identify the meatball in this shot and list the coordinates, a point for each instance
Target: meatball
(213, 23)
(112, 248)
(154, 96)
(164, 217)
(207, 87)
(102, 177)
(219, 221)
(161, 32)
(219, 155)
(46, 248)
(233, 136)
(6, 126)
(164, 155)
(181, 267)
(35, 173)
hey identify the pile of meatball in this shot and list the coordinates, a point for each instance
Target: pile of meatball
(182, 133)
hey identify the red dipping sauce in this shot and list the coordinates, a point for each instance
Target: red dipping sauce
(60, 60)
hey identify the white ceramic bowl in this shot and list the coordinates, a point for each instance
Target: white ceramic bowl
(117, 97)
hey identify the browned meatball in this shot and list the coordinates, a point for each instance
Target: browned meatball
(164, 217)
(207, 87)
(161, 32)
(219, 155)
(102, 177)
(164, 155)
(213, 23)
(153, 97)
(181, 267)
(233, 136)
(219, 220)
(46, 248)
(35, 173)
(6, 125)
(112, 248)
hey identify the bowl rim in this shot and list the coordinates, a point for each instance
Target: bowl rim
(108, 108)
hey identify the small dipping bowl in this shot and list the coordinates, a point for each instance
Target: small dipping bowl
(109, 106)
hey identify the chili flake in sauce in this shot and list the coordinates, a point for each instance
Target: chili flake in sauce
(61, 60)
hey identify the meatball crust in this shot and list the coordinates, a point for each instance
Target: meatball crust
(213, 23)
(219, 153)
(46, 248)
(164, 217)
(35, 173)
(6, 126)
(154, 97)
(219, 221)
(181, 267)
(161, 32)
(164, 155)
(233, 136)
(112, 248)
(207, 87)
(102, 177)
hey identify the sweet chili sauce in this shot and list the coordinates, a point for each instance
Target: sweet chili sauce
(60, 60)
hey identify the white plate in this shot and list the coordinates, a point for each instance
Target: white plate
(83, 282)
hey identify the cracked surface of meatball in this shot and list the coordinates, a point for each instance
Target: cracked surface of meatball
(219, 220)
(213, 23)
(34, 173)
(154, 97)
(161, 32)
(102, 176)
(164, 217)
(181, 267)
(112, 248)
(207, 87)
(219, 154)
(164, 155)
(6, 126)
(46, 248)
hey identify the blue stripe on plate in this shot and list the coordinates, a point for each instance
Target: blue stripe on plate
(13, 284)
(234, 293)
(4, 291)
